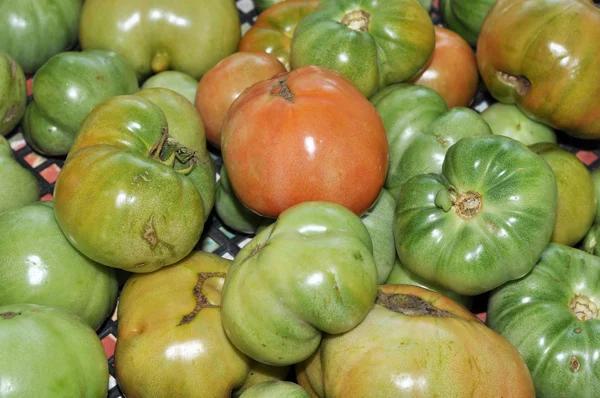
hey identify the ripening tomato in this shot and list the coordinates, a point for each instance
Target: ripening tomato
(452, 70)
(225, 82)
(306, 135)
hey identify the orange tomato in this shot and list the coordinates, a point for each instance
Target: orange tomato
(221, 85)
(452, 70)
(306, 135)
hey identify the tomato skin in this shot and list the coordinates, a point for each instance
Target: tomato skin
(176, 81)
(48, 352)
(466, 17)
(280, 389)
(416, 343)
(452, 69)
(274, 28)
(510, 121)
(551, 317)
(18, 186)
(544, 56)
(224, 82)
(325, 144)
(13, 93)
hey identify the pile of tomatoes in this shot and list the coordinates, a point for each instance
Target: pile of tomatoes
(381, 207)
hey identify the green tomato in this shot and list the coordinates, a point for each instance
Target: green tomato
(596, 178)
(65, 90)
(373, 44)
(47, 353)
(33, 31)
(310, 272)
(190, 36)
(18, 186)
(483, 221)
(176, 81)
(262, 5)
(466, 17)
(39, 266)
(13, 93)
(576, 197)
(592, 240)
(231, 211)
(551, 317)
(510, 121)
(401, 276)
(260, 373)
(279, 389)
(420, 129)
(130, 195)
(379, 220)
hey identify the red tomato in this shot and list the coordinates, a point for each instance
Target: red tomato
(306, 135)
(221, 85)
(452, 70)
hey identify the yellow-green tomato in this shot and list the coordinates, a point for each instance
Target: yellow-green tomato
(596, 179)
(310, 272)
(576, 196)
(510, 121)
(279, 389)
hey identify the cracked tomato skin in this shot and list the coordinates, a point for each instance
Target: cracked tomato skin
(408, 352)
(483, 221)
(551, 317)
(130, 196)
(310, 272)
(306, 135)
(554, 45)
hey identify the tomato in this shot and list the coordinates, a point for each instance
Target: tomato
(401, 276)
(231, 211)
(310, 272)
(452, 70)
(39, 266)
(274, 28)
(18, 186)
(420, 129)
(130, 195)
(47, 352)
(510, 121)
(465, 17)
(483, 221)
(551, 317)
(33, 31)
(189, 36)
(177, 347)
(259, 373)
(415, 342)
(13, 94)
(176, 81)
(307, 135)
(544, 56)
(225, 82)
(66, 89)
(374, 44)
(596, 178)
(379, 220)
(281, 389)
(591, 243)
(262, 5)
(576, 196)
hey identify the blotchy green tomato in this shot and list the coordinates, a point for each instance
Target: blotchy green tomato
(379, 220)
(39, 266)
(510, 121)
(596, 178)
(231, 211)
(576, 197)
(401, 276)
(176, 81)
(551, 317)
(279, 389)
(33, 31)
(312, 271)
(48, 352)
(373, 44)
(189, 36)
(176, 347)
(66, 89)
(420, 129)
(466, 17)
(130, 195)
(18, 186)
(13, 92)
(483, 221)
